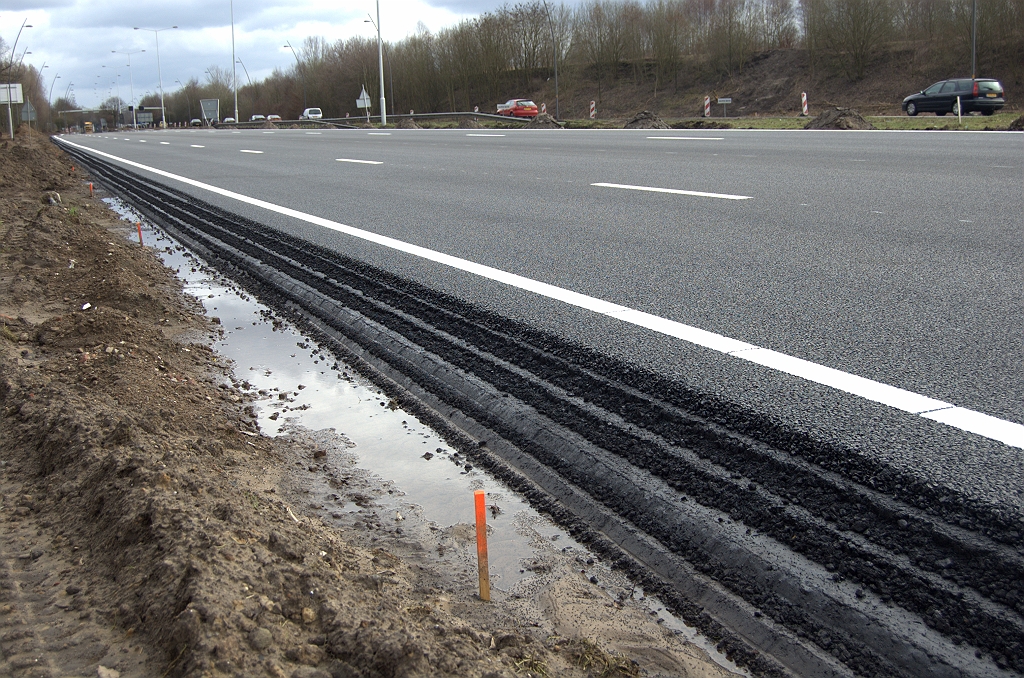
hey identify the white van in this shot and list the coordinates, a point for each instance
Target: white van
(311, 114)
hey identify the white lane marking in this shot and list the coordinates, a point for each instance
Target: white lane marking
(484, 135)
(142, 141)
(197, 146)
(1008, 432)
(314, 132)
(248, 151)
(1003, 167)
(362, 162)
(856, 160)
(166, 143)
(268, 132)
(692, 138)
(652, 189)
(379, 134)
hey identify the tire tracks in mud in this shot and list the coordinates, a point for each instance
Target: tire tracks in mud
(770, 543)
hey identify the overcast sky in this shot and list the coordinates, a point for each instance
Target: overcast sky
(74, 38)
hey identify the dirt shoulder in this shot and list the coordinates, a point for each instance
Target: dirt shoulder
(148, 528)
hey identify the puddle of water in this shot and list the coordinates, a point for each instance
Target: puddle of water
(301, 384)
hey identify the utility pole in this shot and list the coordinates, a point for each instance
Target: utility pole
(302, 72)
(974, 40)
(131, 81)
(234, 69)
(380, 66)
(156, 32)
(10, 74)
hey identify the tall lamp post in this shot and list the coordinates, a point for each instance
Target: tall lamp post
(302, 71)
(234, 69)
(131, 81)
(380, 68)
(10, 69)
(188, 100)
(156, 32)
(252, 90)
(974, 40)
(49, 99)
(391, 74)
(554, 53)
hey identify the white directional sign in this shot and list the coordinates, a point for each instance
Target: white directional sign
(725, 100)
(15, 96)
(364, 99)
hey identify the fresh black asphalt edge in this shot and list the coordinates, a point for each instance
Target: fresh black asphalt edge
(933, 559)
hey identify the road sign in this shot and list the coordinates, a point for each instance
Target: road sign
(543, 108)
(144, 118)
(210, 109)
(803, 102)
(28, 112)
(707, 107)
(724, 100)
(364, 99)
(593, 110)
(15, 96)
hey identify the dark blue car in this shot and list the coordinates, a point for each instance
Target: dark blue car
(958, 96)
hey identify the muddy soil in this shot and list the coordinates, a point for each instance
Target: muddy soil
(543, 121)
(839, 118)
(645, 120)
(149, 528)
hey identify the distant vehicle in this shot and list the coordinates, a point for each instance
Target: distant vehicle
(518, 108)
(196, 122)
(311, 114)
(257, 118)
(274, 118)
(980, 94)
(88, 128)
(229, 120)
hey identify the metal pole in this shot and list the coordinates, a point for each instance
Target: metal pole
(10, 72)
(156, 32)
(380, 66)
(302, 72)
(234, 68)
(131, 81)
(974, 40)
(554, 54)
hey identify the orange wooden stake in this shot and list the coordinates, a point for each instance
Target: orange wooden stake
(481, 545)
(138, 224)
(90, 189)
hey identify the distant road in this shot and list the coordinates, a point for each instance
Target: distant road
(891, 256)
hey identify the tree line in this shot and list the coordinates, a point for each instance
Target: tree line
(663, 45)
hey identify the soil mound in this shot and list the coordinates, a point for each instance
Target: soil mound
(469, 123)
(645, 120)
(407, 123)
(839, 118)
(543, 121)
(700, 124)
(1017, 125)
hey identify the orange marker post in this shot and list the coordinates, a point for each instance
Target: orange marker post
(481, 545)
(90, 189)
(138, 224)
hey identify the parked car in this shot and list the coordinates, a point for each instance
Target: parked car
(311, 114)
(979, 94)
(229, 120)
(274, 118)
(258, 118)
(518, 108)
(195, 122)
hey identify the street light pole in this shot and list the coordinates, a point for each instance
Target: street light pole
(188, 100)
(974, 40)
(302, 71)
(10, 69)
(391, 73)
(380, 67)
(131, 81)
(156, 32)
(234, 69)
(554, 53)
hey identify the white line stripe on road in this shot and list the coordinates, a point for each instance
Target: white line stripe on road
(652, 189)
(1004, 431)
(248, 151)
(361, 162)
(485, 135)
(166, 143)
(692, 138)
(379, 134)
(197, 146)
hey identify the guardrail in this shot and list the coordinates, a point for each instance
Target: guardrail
(346, 123)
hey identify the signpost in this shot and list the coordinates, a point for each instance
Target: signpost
(803, 103)
(10, 93)
(210, 110)
(707, 107)
(144, 118)
(28, 112)
(364, 102)
(593, 110)
(724, 101)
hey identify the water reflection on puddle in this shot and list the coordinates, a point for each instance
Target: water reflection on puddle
(299, 388)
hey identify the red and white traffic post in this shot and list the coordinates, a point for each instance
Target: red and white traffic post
(543, 108)
(593, 110)
(803, 102)
(707, 107)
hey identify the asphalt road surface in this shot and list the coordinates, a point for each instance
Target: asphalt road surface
(891, 256)
(847, 305)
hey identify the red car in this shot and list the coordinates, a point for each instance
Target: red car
(518, 108)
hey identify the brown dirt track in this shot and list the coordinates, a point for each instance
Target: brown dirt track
(147, 528)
